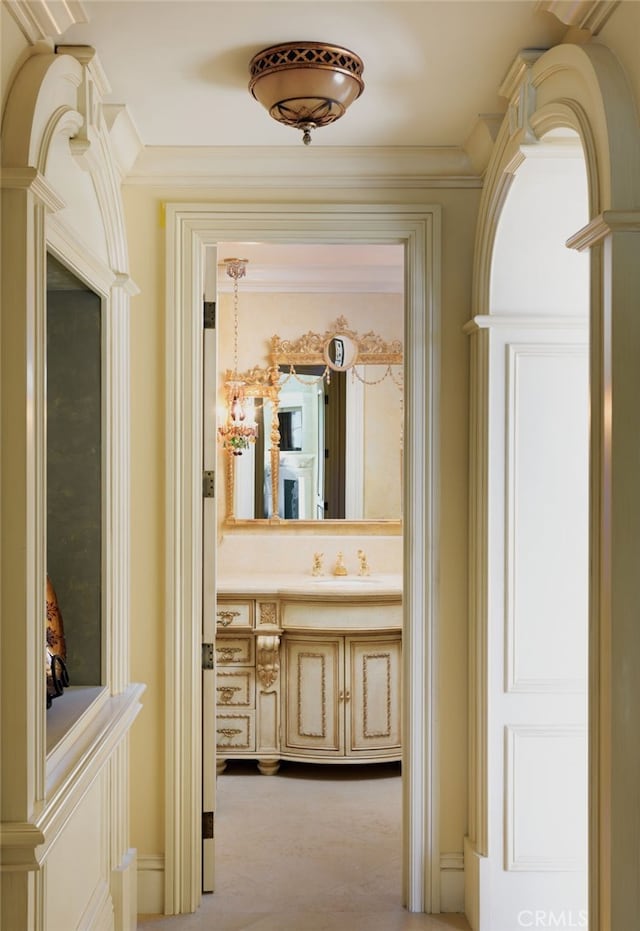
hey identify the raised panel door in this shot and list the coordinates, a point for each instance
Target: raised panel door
(372, 695)
(314, 709)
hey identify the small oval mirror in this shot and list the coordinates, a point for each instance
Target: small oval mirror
(340, 352)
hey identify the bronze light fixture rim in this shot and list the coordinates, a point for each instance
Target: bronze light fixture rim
(258, 67)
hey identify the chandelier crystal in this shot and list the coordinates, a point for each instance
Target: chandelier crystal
(238, 431)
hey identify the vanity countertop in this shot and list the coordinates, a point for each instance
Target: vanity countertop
(283, 585)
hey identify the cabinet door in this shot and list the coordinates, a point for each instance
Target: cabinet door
(314, 712)
(373, 696)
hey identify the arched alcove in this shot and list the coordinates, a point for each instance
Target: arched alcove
(532, 271)
(65, 796)
(534, 345)
(579, 91)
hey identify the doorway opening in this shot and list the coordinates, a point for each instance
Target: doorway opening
(191, 230)
(330, 696)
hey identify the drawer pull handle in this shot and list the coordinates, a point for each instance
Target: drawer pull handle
(229, 732)
(227, 653)
(226, 692)
(226, 617)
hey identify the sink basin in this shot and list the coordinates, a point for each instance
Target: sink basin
(344, 580)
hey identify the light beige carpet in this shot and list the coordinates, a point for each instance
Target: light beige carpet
(314, 848)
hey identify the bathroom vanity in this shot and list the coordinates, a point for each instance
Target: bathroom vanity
(309, 669)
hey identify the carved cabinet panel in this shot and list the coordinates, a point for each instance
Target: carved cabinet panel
(342, 697)
(313, 711)
(374, 708)
(247, 686)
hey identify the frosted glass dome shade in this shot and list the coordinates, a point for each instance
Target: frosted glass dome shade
(306, 84)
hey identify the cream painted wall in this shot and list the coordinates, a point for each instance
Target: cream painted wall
(146, 243)
(146, 252)
(621, 34)
(13, 49)
(383, 406)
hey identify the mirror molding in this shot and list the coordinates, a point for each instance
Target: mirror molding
(191, 229)
(312, 348)
(389, 528)
(264, 383)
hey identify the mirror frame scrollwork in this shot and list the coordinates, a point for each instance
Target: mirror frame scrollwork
(264, 384)
(311, 348)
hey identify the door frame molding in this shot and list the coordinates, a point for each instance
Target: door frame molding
(191, 228)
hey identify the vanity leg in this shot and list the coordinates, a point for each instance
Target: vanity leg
(221, 765)
(268, 767)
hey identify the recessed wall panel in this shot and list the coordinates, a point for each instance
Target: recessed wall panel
(546, 798)
(547, 518)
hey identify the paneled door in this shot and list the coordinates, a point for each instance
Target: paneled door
(208, 589)
(373, 683)
(314, 715)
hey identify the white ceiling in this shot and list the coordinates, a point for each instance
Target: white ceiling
(320, 267)
(430, 68)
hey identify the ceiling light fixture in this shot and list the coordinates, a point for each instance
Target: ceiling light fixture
(306, 84)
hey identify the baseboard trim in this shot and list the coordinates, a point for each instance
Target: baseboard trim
(452, 882)
(124, 891)
(151, 885)
(475, 884)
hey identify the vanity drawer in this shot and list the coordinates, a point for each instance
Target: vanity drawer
(236, 688)
(366, 615)
(235, 731)
(235, 651)
(234, 614)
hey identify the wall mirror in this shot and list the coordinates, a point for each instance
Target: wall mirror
(328, 408)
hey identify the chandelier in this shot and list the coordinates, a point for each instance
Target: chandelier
(306, 84)
(237, 432)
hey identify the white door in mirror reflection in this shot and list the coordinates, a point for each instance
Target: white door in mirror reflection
(301, 462)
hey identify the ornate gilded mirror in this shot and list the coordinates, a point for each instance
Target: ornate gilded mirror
(328, 408)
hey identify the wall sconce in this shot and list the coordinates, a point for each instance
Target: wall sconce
(306, 84)
(236, 434)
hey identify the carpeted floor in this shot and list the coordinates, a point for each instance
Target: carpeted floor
(314, 848)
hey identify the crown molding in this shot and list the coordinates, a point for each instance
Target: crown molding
(318, 279)
(125, 138)
(590, 15)
(478, 145)
(47, 19)
(243, 167)
(521, 64)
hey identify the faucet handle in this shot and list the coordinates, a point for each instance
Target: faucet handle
(316, 568)
(364, 565)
